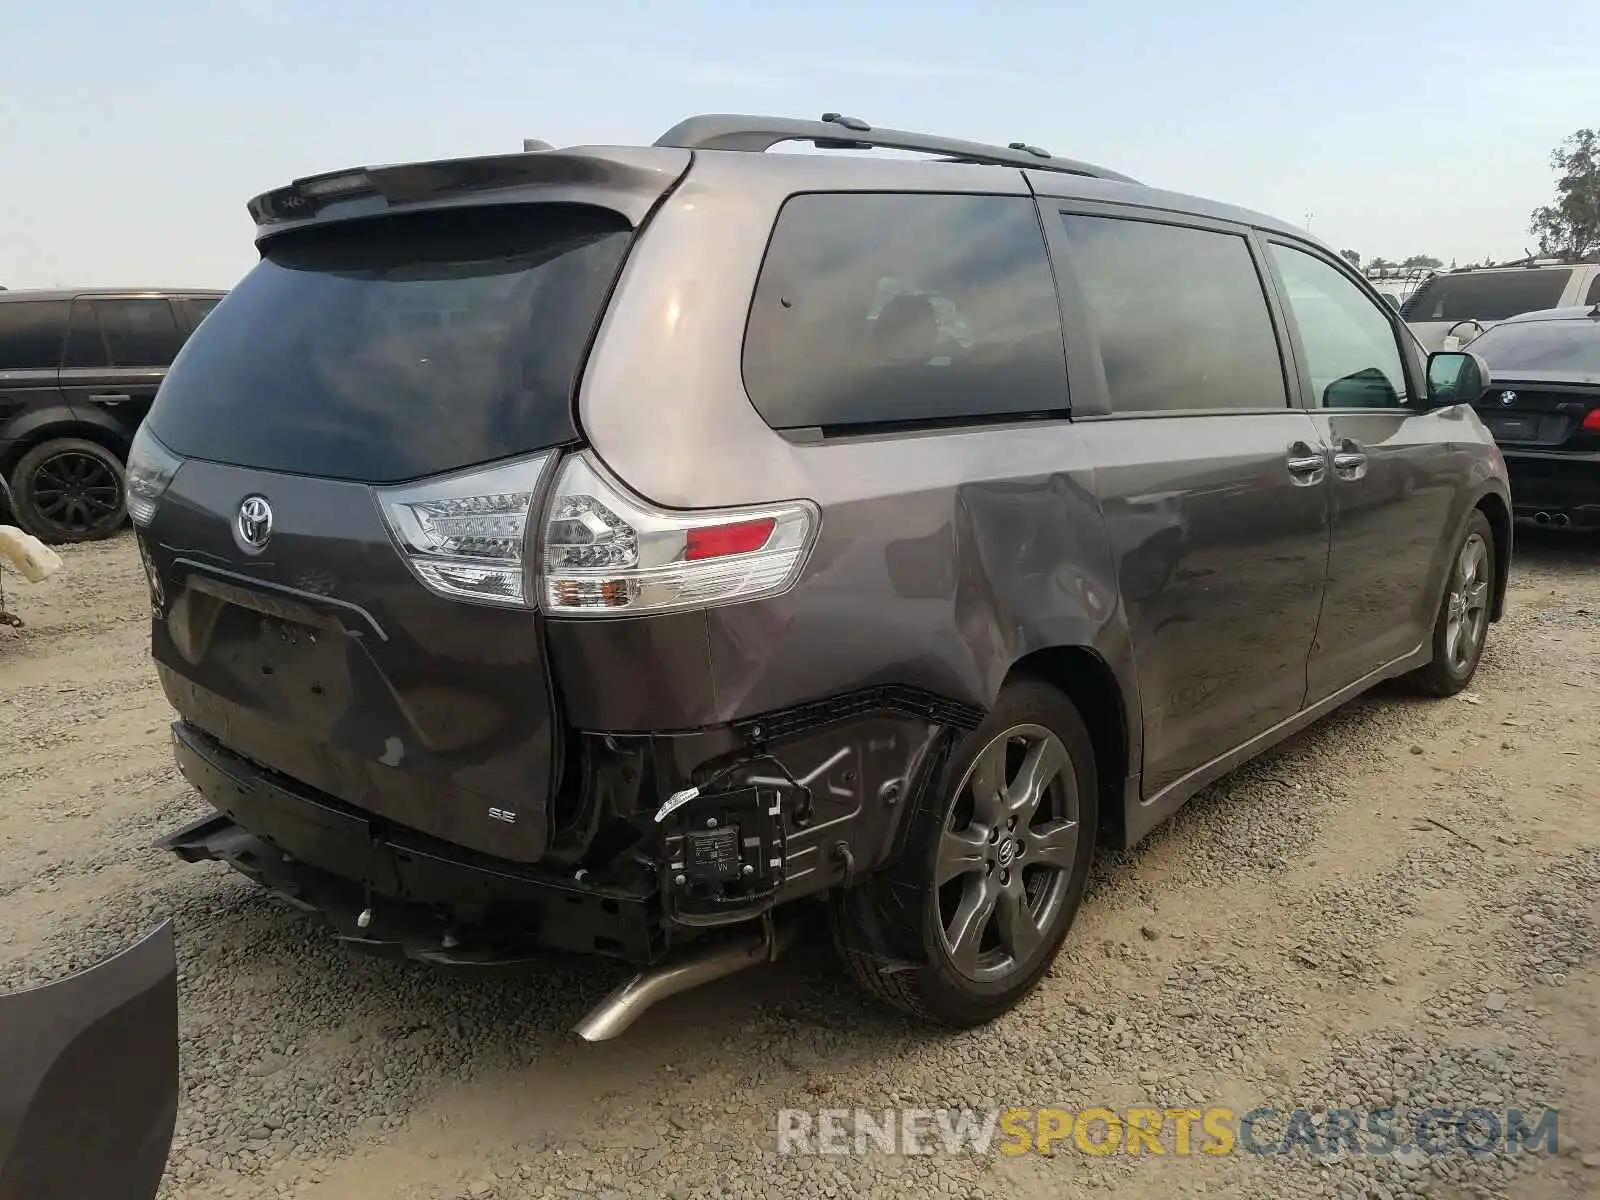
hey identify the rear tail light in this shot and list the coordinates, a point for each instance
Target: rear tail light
(148, 473)
(467, 536)
(608, 552)
(1592, 421)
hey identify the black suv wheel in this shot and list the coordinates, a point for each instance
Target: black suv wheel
(69, 490)
(994, 872)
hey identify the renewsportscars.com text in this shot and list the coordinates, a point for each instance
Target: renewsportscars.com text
(1168, 1131)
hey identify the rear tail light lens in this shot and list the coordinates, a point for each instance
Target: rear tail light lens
(466, 536)
(1592, 421)
(607, 552)
(741, 537)
(148, 473)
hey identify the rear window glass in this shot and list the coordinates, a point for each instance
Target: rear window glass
(31, 334)
(400, 347)
(1566, 346)
(1486, 296)
(876, 309)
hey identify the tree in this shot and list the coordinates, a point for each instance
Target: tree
(1351, 257)
(1571, 226)
(1378, 263)
(1426, 261)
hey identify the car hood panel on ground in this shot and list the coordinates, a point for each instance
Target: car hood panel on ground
(89, 1094)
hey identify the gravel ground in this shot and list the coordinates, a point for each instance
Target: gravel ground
(1397, 907)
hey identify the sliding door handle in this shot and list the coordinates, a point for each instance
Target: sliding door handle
(1305, 464)
(1350, 460)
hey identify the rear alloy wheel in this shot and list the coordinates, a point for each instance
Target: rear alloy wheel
(1006, 855)
(997, 861)
(69, 490)
(1462, 625)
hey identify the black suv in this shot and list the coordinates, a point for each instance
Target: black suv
(604, 548)
(78, 371)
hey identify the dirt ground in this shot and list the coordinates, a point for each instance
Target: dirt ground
(1399, 905)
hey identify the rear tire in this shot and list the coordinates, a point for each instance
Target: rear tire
(69, 490)
(1462, 625)
(972, 915)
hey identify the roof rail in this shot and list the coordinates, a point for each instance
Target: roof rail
(837, 132)
(1549, 260)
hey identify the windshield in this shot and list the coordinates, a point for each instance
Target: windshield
(1567, 346)
(398, 347)
(1486, 296)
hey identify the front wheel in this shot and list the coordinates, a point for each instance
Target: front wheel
(994, 869)
(1462, 625)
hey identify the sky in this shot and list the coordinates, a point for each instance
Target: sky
(131, 135)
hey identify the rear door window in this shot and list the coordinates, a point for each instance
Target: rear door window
(1180, 315)
(138, 333)
(31, 334)
(86, 348)
(1486, 296)
(1594, 290)
(884, 309)
(398, 347)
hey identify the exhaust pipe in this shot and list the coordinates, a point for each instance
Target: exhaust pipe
(613, 1015)
(1543, 518)
(1561, 520)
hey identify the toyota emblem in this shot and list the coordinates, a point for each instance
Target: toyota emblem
(1508, 397)
(254, 521)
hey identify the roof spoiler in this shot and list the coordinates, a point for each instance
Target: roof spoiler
(626, 179)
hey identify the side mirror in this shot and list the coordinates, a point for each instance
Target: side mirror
(1393, 303)
(1456, 377)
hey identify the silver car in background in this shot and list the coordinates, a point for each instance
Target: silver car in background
(1454, 307)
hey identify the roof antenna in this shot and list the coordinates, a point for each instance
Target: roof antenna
(534, 145)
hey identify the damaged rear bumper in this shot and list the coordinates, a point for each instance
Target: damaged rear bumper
(424, 898)
(794, 805)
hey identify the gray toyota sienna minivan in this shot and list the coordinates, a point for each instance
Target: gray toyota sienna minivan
(602, 549)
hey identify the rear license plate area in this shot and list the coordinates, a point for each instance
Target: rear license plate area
(1514, 429)
(287, 642)
(298, 664)
(279, 665)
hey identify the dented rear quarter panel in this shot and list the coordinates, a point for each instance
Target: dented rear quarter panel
(943, 557)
